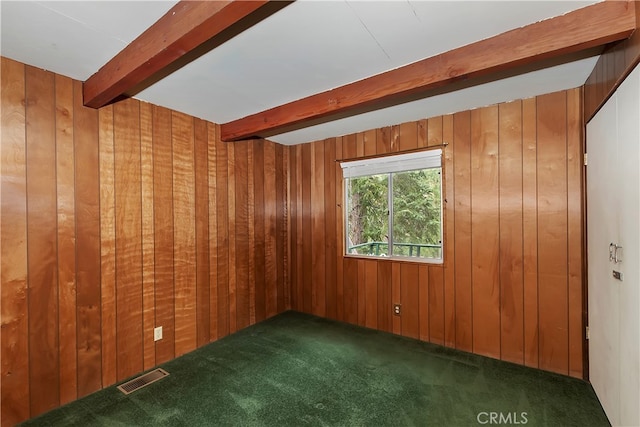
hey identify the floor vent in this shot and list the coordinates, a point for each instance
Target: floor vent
(143, 380)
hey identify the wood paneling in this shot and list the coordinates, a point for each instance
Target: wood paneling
(512, 186)
(123, 215)
(15, 391)
(613, 66)
(65, 188)
(41, 240)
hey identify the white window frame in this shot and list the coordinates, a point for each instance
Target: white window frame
(427, 159)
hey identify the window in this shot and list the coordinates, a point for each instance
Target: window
(394, 206)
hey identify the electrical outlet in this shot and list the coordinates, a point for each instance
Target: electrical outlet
(396, 309)
(157, 333)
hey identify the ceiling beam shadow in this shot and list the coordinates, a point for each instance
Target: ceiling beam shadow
(574, 32)
(187, 31)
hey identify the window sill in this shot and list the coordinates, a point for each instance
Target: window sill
(428, 261)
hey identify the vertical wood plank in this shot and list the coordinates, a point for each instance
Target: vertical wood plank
(148, 263)
(231, 223)
(385, 306)
(350, 270)
(370, 142)
(252, 232)
(88, 261)
(212, 136)
(66, 225)
(424, 289)
(575, 149)
(552, 231)
(331, 224)
(530, 231)
(396, 295)
(359, 148)
(307, 277)
(184, 240)
(203, 297)
(163, 232)
(259, 230)
(408, 138)
(511, 256)
(271, 269)
(409, 297)
(42, 255)
(294, 159)
(318, 265)
(222, 214)
(107, 245)
(340, 237)
(484, 237)
(281, 228)
(128, 238)
(463, 229)
(13, 246)
(362, 293)
(241, 155)
(436, 304)
(371, 293)
(434, 131)
(383, 140)
(423, 128)
(448, 187)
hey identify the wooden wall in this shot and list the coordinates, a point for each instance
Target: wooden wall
(119, 220)
(511, 286)
(613, 66)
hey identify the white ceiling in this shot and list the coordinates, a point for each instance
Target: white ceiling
(305, 48)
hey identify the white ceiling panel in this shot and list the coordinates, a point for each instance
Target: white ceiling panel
(305, 48)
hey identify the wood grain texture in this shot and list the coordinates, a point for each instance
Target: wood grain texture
(370, 281)
(423, 301)
(42, 241)
(575, 217)
(270, 218)
(66, 229)
(318, 250)
(339, 230)
(448, 200)
(295, 216)
(331, 223)
(148, 259)
(613, 66)
(510, 217)
(259, 230)
(201, 192)
(484, 235)
(184, 239)
(14, 392)
(530, 231)
(552, 232)
(573, 32)
(242, 233)
(309, 288)
(88, 256)
(463, 229)
(128, 207)
(231, 223)
(163, 232)
(436, 303)
(222, 212)
(107, 245)
(384, 297)
(174, 37)
(212, 135)
(409, 298)
(281, 228)
(124, 228)
(361, 293)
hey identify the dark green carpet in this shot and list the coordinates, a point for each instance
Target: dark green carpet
(295, 369)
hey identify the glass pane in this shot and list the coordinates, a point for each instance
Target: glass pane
(368, 215)
(417, 230)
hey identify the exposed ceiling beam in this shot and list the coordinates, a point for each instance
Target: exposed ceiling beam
(186, 31)
(573, 32)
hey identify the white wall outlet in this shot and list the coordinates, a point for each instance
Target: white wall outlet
(157, 333)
